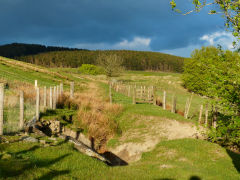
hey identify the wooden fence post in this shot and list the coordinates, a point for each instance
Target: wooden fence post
(1, 107)
(45, 97)
(50, 98)
(110, 92)
(174, 104)
(21, 115)
(187, 107)
(154, 95)
(36, 84)
(206, 115)
(141, 94)
(71, 90)
(129, 91)
(54, 97)
(37, 103)
(134, 95)
(200, 115)
(164, 100)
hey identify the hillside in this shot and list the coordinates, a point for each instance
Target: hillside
(132, 60)
(21, 49)
(51, 56)
(155, 143)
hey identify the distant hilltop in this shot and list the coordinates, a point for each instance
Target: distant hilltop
(50, 56)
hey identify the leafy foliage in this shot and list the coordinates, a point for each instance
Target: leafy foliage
(112, 64)
(90, 69)
(215, 73)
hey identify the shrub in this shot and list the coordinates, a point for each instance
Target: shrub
(112, 64)
(90, 69)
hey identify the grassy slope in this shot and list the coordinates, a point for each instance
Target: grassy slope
(176, 159)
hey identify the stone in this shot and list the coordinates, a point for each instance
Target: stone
(29, 139)
(42, 141)
(82, 138)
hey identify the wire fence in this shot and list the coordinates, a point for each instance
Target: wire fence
(20, 105)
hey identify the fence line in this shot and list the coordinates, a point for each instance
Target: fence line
(147, 94)
(22, 106)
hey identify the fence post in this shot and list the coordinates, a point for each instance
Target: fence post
(188, 105)
(200, 115)
(1, 107)
(206, 115)
(37, 103)
(134, 95)
(164, 100)
(54, 97)
(154, 96)
(71, 90)
(129, 91)
(174, 104)
(36, 84)
(45, 97)
(110, 92)
(21, 115)
(141, 94)
(50, 98)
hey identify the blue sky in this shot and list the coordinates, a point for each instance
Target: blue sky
(148, 25)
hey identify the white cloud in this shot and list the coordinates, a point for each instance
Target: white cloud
(138, 43)
(224, 39)
(184, 51)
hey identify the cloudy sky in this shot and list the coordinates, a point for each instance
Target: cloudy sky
(148, 25)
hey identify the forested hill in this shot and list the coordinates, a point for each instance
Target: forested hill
(20, 49)
(132, 60)
(51, 56)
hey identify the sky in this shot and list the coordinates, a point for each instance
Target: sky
(144, 25)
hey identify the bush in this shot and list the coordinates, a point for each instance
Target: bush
(90, 69)
(112, 64)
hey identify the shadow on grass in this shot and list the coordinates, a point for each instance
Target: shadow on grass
(53, 174)
(191, 178)
(17, 166)
(235, 159)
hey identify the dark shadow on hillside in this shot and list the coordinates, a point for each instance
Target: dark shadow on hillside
(28, 150)
(194, 178)
(53, 174)
(235, 159)
(17, 166)
(115, 160)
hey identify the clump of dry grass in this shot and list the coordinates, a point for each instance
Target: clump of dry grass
(96, 116)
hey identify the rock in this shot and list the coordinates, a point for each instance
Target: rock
(69, 132)
(6, 156)
(29, 139)
(52, 138)
(55, 126)
(42, 141)
(82, 138)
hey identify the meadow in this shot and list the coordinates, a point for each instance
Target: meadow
(171, 154)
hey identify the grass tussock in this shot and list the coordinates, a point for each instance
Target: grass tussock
(96, 116)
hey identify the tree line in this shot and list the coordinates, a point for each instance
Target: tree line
(132, 60)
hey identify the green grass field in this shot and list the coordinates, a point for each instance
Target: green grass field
(169, 159)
